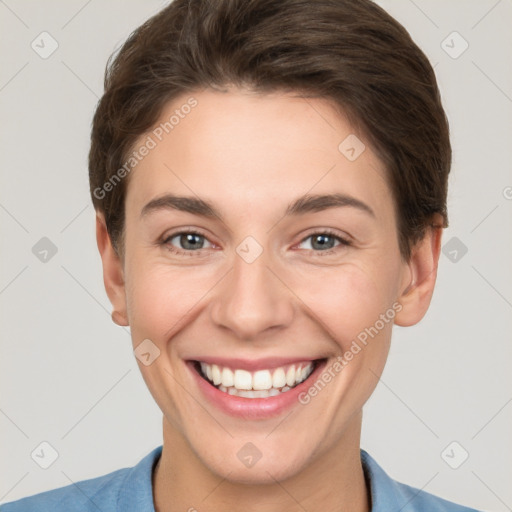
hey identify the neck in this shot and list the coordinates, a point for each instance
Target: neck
(333, 482)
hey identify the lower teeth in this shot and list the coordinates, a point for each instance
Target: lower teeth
(263, 393)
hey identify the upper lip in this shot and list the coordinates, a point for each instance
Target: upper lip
(265, 363)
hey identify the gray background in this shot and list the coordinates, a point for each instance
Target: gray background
(68, 374)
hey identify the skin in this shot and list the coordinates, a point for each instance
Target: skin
(251, 155)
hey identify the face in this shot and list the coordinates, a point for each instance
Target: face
(259, 283)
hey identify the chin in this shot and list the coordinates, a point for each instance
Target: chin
(256, 462)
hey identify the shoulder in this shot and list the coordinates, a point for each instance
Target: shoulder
(100, 492)
(422, 500)
(106, 493)
(388, 494)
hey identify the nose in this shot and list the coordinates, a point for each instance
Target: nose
(252, 299)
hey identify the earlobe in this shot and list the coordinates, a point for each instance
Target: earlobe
(119, 318)
(113, 274)
(422, 272)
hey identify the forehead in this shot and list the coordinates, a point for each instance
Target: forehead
(248, 151)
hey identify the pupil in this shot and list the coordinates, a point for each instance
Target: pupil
(188, 241)
(323, 244)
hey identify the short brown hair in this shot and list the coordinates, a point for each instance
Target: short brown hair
(349, 51)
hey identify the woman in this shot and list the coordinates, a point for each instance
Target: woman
(270, 184)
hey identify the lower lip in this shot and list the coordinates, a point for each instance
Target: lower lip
(254, 408)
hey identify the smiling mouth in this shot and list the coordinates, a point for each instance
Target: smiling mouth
(258, 384)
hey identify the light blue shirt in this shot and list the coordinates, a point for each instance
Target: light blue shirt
(130, 490)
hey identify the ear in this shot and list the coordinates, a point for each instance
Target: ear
(421, 275)
(113, 275)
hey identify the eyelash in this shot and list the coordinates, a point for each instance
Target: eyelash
(344, 242)
(182, 252)
(166, 242)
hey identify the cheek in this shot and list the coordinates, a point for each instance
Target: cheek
(162, 298)
(346, 300)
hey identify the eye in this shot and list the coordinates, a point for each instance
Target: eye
(192, 242)
(324, 241)
(187, 242)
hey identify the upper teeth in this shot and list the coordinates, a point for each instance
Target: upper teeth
(259, 380)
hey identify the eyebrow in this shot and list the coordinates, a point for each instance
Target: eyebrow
(302, 205)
